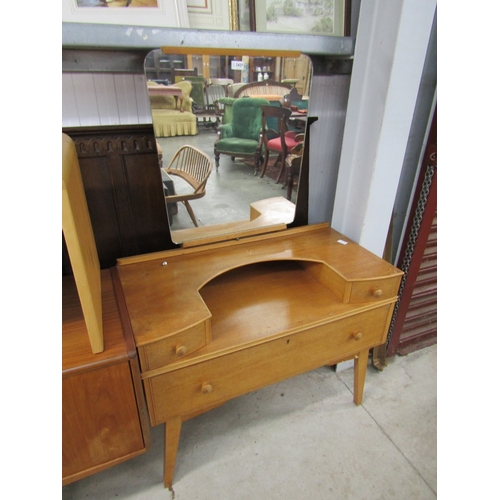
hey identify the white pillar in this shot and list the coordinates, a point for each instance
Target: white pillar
(391, 45)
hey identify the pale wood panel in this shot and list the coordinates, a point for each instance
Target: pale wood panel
(80, 242)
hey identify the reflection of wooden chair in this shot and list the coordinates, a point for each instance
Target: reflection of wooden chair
(240, 138)
(194, 167)
(214, 93)
(281, 140)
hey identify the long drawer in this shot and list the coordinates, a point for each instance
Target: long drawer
(203, 385)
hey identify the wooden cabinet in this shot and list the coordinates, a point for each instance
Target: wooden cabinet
(104, 416)
(217, 321)
(299, 69)
(162, 67)
(262, 65)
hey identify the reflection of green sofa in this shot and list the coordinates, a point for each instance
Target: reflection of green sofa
(168, 121)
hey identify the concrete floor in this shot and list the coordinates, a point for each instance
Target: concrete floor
(302, 438)
(299, 439)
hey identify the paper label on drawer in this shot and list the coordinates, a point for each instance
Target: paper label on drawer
(342, 242)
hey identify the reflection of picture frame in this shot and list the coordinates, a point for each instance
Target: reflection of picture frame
(169, 13)
(315, 17)
(246, 15)
(212, 14)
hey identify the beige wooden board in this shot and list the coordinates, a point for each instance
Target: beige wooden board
(80, 242)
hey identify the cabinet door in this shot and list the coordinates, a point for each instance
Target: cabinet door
(299, 68)
(100, 421)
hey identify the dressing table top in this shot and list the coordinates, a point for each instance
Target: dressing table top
(162, 290)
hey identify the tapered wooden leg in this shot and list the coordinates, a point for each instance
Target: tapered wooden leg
(172, 434)
(190, 212)
(360, 364)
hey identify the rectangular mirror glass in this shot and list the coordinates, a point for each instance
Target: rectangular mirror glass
(230, 132)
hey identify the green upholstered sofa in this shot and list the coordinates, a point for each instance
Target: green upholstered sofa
(167, 118)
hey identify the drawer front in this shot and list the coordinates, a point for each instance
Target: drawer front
(174, 347)
(369, 291)
(191, 389)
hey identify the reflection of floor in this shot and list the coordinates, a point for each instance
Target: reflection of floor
(229, 191)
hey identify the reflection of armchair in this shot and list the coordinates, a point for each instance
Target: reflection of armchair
(168, 120)
(281, 140)
(240, 138)
(197, 93)
(194, 167)
(227, 102)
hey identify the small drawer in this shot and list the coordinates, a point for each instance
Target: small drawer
(174, 347)
(369, 291)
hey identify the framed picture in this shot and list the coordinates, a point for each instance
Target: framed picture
(161, 13)
(311, 17)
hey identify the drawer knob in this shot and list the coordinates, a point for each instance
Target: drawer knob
(378, 293)
(181, 350)
(206, 388)
(357, 336)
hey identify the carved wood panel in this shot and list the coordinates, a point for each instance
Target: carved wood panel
(123, 188)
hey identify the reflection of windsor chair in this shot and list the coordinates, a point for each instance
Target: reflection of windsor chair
(194, 167)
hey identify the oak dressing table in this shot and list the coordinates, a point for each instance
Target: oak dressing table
(217, 321)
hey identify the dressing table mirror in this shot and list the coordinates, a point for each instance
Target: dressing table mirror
(195, 96)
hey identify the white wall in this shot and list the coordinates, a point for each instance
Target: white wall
(393, 37)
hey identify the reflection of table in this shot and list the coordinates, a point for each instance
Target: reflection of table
(299, 120)
(218, 321)
(171, 90)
